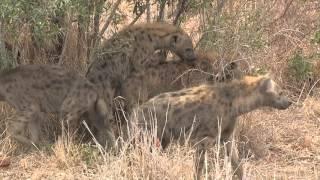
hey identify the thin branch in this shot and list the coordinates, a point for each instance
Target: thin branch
(284, 12)
(182, 8)
(220, 6)
(65, 40)
(104, 28)
(108, 21)
(96, 24)
(2, 46)
(138, 17)
(161, 10)
(148, 11)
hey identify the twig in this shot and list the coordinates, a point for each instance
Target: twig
(314, 84)
(65, 41)
(138, 16)
(181, 9)
(148, 11)
(2, 46)
(283, 13)
(161, 11)
(220, 5)
(104, 28)
(108, 21)
(96, 24)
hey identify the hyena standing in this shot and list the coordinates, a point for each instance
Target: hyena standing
(198, 110)
(173, 76)
(37, 89)
(127, 51)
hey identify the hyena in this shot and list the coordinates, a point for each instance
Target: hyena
(175, 75)
(34, 90)
(199, 111)
(128, 51)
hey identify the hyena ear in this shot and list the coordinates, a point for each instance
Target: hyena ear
(232, 66)
(267, 86)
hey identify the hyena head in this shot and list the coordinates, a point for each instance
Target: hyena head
(229, 72)
(272, 94)
(181, 45)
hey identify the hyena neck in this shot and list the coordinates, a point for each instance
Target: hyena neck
(244, 98)
(152, 42)
(246, 104)
(147, 46)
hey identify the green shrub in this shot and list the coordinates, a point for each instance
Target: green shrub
(6, 62)
(300, 67)
(316, 38)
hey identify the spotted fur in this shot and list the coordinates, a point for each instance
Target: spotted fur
(198, 112)
(34, 90)
(127, 52)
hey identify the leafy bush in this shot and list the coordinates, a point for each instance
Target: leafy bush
(6, 61)
(300, 67)
(316, 38)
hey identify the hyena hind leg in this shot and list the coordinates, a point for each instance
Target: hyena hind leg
(25, 121)
(98, 118)
(76, 107)
(70, 119)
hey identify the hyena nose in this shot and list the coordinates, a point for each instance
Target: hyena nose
(192, 57)
(287, 104)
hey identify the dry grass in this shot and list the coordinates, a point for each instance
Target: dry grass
(273, 144)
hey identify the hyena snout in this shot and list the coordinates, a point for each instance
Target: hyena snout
(189, 54)
(274, 95)
(183, 47)
(282, 103)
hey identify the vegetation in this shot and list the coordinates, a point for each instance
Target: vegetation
(299, 67)
(279, 37)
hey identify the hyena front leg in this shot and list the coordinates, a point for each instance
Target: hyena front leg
(233, 153)
(227, 137)
(202, 146)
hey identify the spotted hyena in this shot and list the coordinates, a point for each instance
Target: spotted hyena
(199, 111)
(127, 52)
(34, 90)
(175, 75)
